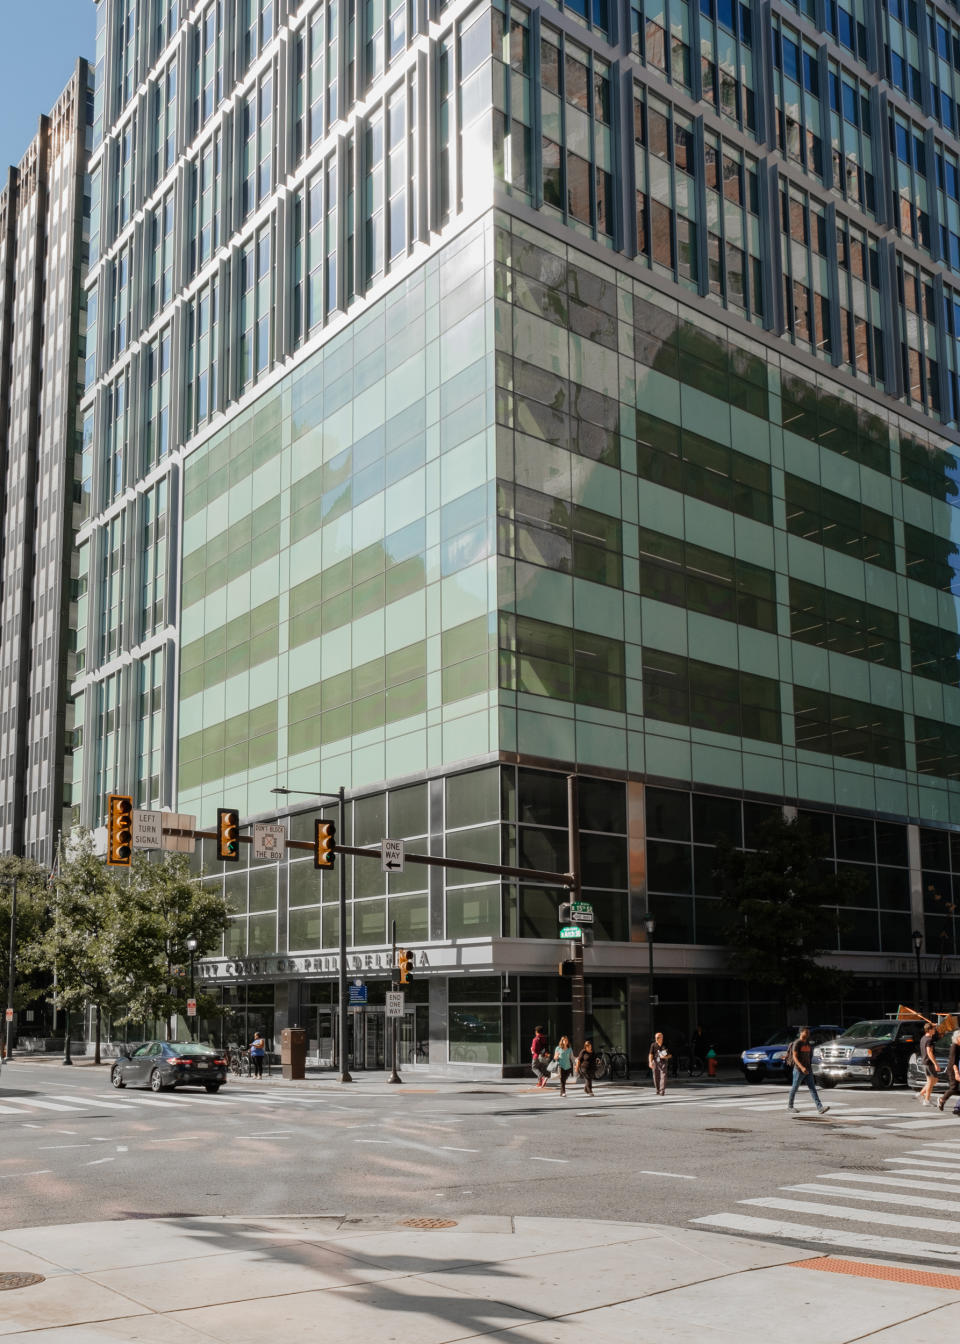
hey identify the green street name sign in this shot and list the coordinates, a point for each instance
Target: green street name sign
(570, 931)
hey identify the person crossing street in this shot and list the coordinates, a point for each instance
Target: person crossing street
(800, 1054)
(659, 1061)
(953, 1074)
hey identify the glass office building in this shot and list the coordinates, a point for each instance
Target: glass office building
(42, 258)
(483, 393)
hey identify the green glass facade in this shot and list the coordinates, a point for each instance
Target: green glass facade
(339, 572)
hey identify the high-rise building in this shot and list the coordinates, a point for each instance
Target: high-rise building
(482, 392)
(42, 259)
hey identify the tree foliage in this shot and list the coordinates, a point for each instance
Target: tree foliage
(117, 938)
(777, 900)
(167, 905)
(33, 914)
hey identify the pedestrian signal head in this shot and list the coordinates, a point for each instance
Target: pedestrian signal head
(324, 844)
(228, 834)
(405, 966)
(566, 968)
(119, 829)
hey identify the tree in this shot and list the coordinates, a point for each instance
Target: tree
(777, 924)
(90, 921)
(167, 905)
(33, 913)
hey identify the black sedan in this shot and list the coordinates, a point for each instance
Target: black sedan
(163, 1065)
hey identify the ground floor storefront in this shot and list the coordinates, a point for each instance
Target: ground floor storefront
(484, 1016)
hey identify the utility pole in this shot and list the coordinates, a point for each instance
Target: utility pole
(577, 989)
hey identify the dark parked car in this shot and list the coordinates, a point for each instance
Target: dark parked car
(768, 1060)
(917, 1074)
(875, 1052)
(162, 1065)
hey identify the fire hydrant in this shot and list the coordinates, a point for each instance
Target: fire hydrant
(711, 1063)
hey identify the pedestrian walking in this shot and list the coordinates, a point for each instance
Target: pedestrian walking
(928, 1060)
(698, 1048)
(659, 1061)
(953, 1074)
(563, 1058)
(800, 1056)
(539, 1056)
(586, 1067)
(258, 1048)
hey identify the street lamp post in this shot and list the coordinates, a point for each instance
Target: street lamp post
(192, 943)
(340, 797)
(11, 882)
(917, 937)
(650, 924)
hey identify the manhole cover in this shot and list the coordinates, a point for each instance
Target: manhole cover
(19, 1280)
(714, 1130)
(428, 1222)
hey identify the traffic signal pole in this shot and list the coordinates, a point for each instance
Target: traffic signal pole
(342, 921)
(394, 1022)
(577, 989)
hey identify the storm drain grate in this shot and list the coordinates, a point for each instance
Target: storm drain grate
(715, 1130)
(19, 1280)
(889, 1273)
(428, 1222)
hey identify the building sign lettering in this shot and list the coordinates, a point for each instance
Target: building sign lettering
(247, 968)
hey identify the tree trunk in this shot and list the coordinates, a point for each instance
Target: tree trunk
(96, 1044)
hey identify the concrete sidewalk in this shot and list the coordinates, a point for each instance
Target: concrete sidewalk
(260, 1280)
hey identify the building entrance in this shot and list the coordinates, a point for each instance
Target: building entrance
(368, 1038)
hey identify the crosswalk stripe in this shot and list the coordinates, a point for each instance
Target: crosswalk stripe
(932, 1171)
(940, 1163)
(154, 1099)
(32, 1103)
(903, 1180)
(862, 1241)
(108, 1105)
(918, 1124)
(877, 1197)
(949, 1226)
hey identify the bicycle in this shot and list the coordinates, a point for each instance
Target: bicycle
(612, 1064)
(239, 1062)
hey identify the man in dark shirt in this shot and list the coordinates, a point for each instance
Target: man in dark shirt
(953, 1073)
(802, 1052)
(929, 1063)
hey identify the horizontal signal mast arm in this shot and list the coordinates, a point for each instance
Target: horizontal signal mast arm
(431, 860)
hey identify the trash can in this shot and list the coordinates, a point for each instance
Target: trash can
(293, 1052)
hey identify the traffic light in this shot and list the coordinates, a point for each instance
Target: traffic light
(563, 913)
(405, 965)
(228, 834)
(119, 829)
(324, 844)
(566, 968)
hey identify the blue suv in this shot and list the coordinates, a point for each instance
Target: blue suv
(768, 1060)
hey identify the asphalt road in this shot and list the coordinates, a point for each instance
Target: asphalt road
(73, 1149)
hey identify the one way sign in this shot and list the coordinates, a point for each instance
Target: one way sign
(391, 856)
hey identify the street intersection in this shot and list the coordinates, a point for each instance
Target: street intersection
(879, 1175)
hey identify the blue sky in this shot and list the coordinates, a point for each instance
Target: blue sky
(40, 41)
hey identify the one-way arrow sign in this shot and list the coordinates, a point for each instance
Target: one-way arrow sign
(391, 856)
